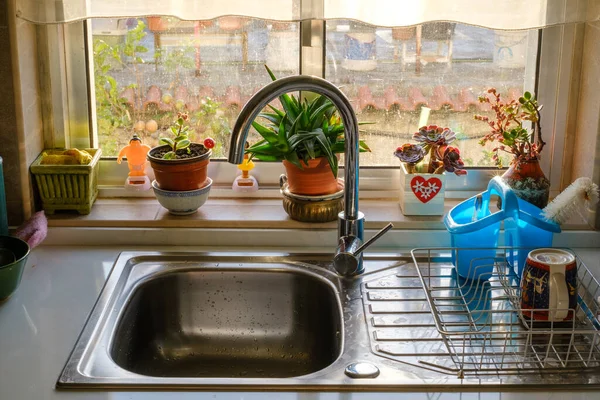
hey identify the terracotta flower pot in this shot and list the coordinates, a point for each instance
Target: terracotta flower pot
(315, 179)
(180, 174)
(528, 181)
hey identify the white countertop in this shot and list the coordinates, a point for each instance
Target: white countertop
(40, 323)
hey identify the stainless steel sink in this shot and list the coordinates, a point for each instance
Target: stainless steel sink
(231, 321)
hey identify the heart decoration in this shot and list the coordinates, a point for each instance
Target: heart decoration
(425, 189)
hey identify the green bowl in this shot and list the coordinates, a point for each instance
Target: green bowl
(11, 274)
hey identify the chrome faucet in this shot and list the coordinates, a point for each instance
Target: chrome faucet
(348, 257)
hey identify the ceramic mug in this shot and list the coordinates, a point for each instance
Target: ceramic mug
(549, 285)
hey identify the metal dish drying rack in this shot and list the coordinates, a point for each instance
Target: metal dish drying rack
(484, 329)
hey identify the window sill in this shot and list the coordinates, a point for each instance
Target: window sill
(227, 213)
(232, 213)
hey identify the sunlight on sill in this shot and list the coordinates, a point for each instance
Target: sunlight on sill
(232, 213)
(242, 214)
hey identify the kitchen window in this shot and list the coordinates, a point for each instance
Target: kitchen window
(400, 73)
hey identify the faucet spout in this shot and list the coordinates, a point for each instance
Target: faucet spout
(350, 221)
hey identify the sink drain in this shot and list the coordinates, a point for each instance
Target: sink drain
(362, 370)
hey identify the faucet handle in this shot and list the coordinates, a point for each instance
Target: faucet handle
(347, 260)
(373, 239)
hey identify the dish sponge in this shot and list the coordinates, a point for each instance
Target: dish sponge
(66, 157)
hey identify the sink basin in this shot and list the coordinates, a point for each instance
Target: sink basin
(278, 322)
(229, 322)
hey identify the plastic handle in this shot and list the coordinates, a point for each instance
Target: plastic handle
(559, 297)
(510, 203)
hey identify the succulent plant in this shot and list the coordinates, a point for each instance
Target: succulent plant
(410, 153)
(452, 162)
(434, 135)
(433, 140)
(304, 130)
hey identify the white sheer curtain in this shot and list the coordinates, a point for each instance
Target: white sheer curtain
(497, 14)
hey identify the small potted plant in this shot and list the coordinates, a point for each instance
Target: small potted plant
(423, 182)
(307, 136)
(524, 175)
(179, 164)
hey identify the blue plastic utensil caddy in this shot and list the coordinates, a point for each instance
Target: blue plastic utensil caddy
(473, 226)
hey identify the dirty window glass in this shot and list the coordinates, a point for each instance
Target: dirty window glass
(148, 69)
(403, 78)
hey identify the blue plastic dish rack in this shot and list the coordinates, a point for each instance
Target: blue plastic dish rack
(472, 226)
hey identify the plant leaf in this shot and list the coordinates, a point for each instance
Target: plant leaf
(310, 148)
(289, 107)
(265, 149)
(275, 119)
(300, 138)
(184, 144)
(320, 114)
(169, 156)
(262, 148)
(293, 158)
(288, 104)
(363, 147)
(326, 148)
(276, 111)
(337, 129)
(165, 140)
(294, 128)
(263, 157)
(265, 132)
(271, 74)
(180, 138)
(317, 102)
(282, 130)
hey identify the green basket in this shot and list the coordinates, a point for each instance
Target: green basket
(67, 187)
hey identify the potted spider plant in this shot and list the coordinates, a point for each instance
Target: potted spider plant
(306, 136)
(179, 164)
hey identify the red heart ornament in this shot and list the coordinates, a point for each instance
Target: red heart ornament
(425, 189)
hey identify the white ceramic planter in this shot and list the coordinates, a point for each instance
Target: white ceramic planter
(422, 194)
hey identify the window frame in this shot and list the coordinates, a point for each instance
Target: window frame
(71, 122)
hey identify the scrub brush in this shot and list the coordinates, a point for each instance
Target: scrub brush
(579, 196)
